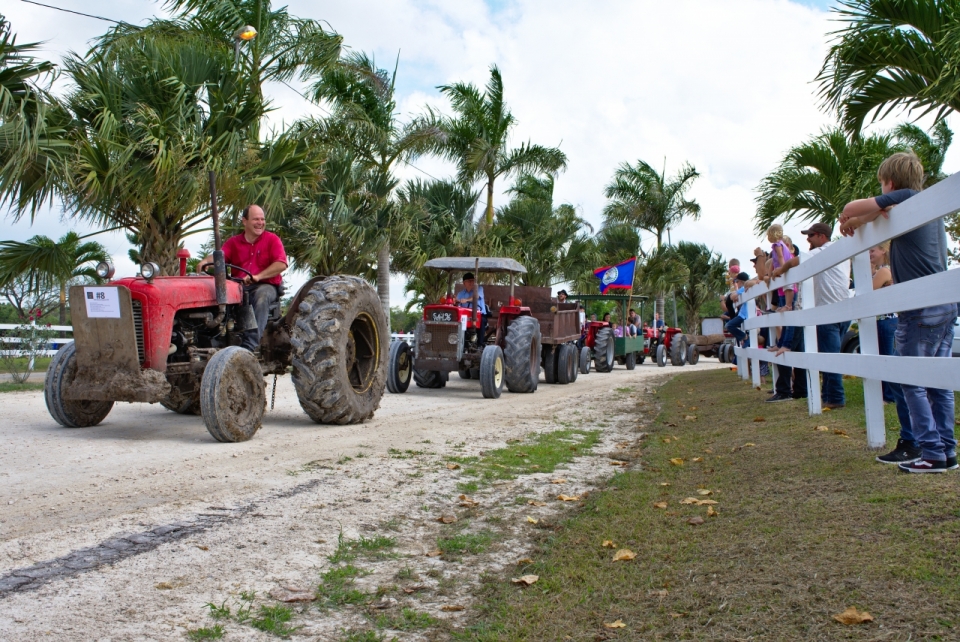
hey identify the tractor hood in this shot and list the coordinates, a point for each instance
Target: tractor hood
(179, 292)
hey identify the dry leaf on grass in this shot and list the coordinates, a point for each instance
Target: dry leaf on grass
(677, 461)
(453, 466)
(624, 555)
(164, 586)
(451, 608)
(203, 548)
(690, 500)
(822, 428)
(759, 419)
(413, 589)
(676, 615)
(842, 433)
(693, 407)
(826, 409)
(708, 451)
(711, 512)
(608, 543)
(447, 519)
(616, 624)
(691, 417)
(524, 561)
(568, 498)
(664, 483)
(468, 502)
(853, 616)
(697, 459)
(667, 440)
(749, 444)
(534, 502)
(707, 502)
(558, 481)
(435, 553)
(290, 595)
(704, 491)
(526, 580)
(660, 505)
(695, 521)
(532, 520)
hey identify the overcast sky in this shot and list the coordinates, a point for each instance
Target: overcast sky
(724, 85)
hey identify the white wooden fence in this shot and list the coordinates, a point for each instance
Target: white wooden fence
(940, 200)
(52, 345)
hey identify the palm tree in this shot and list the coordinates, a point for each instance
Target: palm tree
(646, 199)
(706, 272)
(365, 121)
(477, 138)
(892, 54)
(536, 233)
(51, 265)
(816, 179)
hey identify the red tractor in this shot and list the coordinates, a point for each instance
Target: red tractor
(672, 343)
(174, 340)
(599, 343)
(523, 330)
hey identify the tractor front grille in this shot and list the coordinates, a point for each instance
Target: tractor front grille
(138, 329)
(439, 346)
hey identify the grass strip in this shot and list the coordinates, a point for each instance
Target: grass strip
(10, 386)
(807, 524)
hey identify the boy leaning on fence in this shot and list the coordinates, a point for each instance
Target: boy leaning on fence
(927, 332)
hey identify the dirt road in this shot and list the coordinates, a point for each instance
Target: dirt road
(125, 530)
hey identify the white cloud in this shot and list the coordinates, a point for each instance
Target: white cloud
(726, 85)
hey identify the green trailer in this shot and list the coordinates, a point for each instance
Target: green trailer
(606, 349)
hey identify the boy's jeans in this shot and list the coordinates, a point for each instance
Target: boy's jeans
(886, 329)
(733, 327)
(928, 332)
(828, 340)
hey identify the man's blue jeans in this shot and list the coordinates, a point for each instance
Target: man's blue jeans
(928, 332)
(262, 296)
(733, 327)
(892, 392)
(828, 341)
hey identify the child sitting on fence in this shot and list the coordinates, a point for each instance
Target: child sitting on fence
(926, 332)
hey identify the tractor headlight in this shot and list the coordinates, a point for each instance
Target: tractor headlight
(426, 337)
(149, 270)
(105, 270)
(453, 339)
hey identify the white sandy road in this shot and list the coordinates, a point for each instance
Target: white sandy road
(62, 490)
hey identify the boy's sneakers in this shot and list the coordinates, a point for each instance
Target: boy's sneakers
(902, 454)
(952, 463)
(924, 466)
(778, 397)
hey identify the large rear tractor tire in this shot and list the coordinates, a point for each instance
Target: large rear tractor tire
(603, 347)
(678, 350)
(661, 355)
(429, 379)
(399, 368)
(340, 351)
(585, 359)
(70, 414)
(630, 360)
(491, 372)
(551, 363)
(693, 355)
(233, 395)
(569, 365)
(521, 355)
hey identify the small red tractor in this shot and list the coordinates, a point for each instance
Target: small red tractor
(525, 330)
(174, 340)
(603, 346)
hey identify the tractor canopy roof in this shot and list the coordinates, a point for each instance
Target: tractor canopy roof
(469, 264)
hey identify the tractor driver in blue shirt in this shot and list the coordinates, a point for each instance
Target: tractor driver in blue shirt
(464, 299)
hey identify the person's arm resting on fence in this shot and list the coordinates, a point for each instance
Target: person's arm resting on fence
(794, 262)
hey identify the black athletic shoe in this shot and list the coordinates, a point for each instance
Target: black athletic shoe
(924, 466)
(798, 396)
(902, 454)
(952, 463)
(778, 397)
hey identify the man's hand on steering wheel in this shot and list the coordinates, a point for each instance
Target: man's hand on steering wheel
(247, 280)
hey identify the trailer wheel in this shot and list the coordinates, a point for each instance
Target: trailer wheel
(399, 368)
(630, 360)
(491, 372)
(728, 351)
(550, 355)
(678, 350)
(340, 351)
(70, 414)
(693, 355)
(603, 347)
(585, 360)
(641, 357)
(521, 355)
(233, 396)
(428, 378)
(661, 355)
(568, 363)
(722, 353)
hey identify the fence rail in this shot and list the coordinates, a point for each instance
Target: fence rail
(52, 345)
(940, 200)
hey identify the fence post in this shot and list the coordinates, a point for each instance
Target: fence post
(810, 345)
(869, 344)
(754, 342)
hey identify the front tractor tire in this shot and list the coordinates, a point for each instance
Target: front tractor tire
(70, 414)
(678, 350)
(521, 354)
(233, 396)
(400, 368)
(603, 347)
(340, 348)
(585, 358)
(491, 372)
(429, 379)
(661, 355)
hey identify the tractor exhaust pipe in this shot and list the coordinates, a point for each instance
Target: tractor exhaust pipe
(219, 264)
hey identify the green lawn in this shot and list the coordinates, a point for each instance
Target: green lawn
(9, 386)
(807, 525)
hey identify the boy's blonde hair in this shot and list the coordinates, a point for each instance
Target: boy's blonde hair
(904, 170)
(775, 233)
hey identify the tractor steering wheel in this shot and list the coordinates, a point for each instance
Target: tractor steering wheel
(230, 267)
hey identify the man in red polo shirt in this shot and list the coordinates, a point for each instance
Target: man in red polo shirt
(261, 253)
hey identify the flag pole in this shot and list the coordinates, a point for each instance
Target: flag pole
(630, 296)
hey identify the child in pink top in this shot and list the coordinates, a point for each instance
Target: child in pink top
(780, 253)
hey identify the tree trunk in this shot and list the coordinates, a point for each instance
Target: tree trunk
(490, 202)
(383, 279)
(63, 304)
(160, 247)
(660, 306)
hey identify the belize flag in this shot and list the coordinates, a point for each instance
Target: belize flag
(617, 276)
